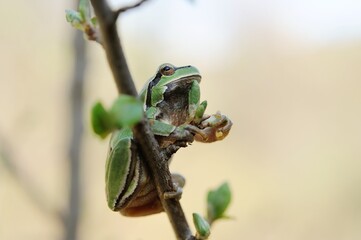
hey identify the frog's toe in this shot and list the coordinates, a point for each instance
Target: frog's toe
(178, 184)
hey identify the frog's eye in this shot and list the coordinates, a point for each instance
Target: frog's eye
(167, 70)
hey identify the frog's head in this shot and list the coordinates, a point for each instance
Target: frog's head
(167, 95)
(169, 80)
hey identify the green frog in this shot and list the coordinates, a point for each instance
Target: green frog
(172, 105)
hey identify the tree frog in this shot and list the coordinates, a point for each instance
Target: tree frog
(172, 105)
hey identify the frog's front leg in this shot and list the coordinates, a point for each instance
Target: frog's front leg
(212, 128)
(167, 134)
(181, 136)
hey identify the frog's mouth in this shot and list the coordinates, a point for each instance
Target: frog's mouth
(183, 83)
(189, 79)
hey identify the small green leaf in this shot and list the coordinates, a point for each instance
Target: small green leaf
(80, 19)
(202, 226)
(217, 202)
(127, 111)
(84, 9)
(74, 18)
(200, 111)
(101, 121)
(94, 21)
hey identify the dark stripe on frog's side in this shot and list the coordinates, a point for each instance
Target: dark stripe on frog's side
(150, 86)
(134, 162)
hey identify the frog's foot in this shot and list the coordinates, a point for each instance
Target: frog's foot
(178, 184)
(172, 145)
(177, 194)
(180, 137)
(213, 128)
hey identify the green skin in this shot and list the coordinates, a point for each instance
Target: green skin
(171, 102)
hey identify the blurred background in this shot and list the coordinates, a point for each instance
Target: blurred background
(288, 74)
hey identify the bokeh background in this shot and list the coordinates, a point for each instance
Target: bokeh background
(288, 73)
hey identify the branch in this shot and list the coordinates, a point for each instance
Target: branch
(142, 132)
(113, 49)
(123, 9)
(76, 105)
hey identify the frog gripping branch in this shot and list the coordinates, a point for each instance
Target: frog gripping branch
(174, 122)
(176, 118)
(147, 129)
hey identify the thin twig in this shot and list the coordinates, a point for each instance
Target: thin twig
(123, 9)
(76, 105)
(149, 146)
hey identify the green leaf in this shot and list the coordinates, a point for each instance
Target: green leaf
(200, 111)
(101, 121)
(217, 202)
(74, 18)
(94, 21)
(84, 9)
(202, 226)
(80, 19)
(127, 111)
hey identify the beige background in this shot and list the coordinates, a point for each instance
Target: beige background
(288, 75)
